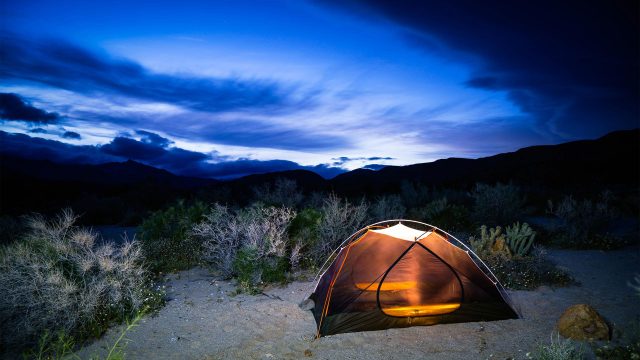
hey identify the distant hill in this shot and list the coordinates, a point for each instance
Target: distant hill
(114, 173)
(104, 193)
(611, 160)
(124, 192)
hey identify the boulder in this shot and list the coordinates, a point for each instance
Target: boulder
(582, 322)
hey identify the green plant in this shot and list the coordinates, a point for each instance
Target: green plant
(443, 214)
(50, 348)
(248, 270)
(304, 232)
(11, 228)
(497, 204)
(283, 192)
(528, 272)
(387, 207)
(627, 347)
(559, 349)
(520, 238)
(116, 351)
(165, 237)
(414, 194)
(526, 269)
(584, 223)
(635, 284)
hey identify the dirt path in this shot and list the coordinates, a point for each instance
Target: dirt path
(201, 320)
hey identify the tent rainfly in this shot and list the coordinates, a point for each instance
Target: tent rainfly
(401, 273)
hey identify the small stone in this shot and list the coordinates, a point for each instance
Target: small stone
(308, 353)
(307, 304)
(582, 322)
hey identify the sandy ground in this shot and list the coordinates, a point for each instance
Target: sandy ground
(202, 321)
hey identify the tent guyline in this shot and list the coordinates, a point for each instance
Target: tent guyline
(389, 275)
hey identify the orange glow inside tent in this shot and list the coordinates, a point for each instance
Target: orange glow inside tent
(387, 286)
(420, 310)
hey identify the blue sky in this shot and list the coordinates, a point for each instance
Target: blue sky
(228, 88)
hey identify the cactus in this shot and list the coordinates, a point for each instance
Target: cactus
(520, 238)
(489, 242)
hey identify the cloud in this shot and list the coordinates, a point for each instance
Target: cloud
(152, 150)
(71, 135)
(375, 167)
(260, 133)
(554, 59)
(133, 149)
(38, 131)
(153, 139)
(13, 107)
(65, 66)
(345, 159)
(41, 149)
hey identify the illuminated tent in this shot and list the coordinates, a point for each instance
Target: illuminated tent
(401, 273)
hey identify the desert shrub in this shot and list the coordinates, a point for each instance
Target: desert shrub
(57, 279)
(443, 214)
(514, 267)
(387, 207)
(251, 244)
(339, 220)
(11, 228)
(627, 347)
(251, 271)
(283, 192)
(635, 284)
(165, 237)
(414, 194)
(497, 204)
(559, 349)
(246, 269)
(629, 351)
(525, 273)
(584, 223)
(219, 234)
(304, 234)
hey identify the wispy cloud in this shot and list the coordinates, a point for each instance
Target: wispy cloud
(60, 64)
(576, 75)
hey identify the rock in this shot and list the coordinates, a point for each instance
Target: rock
(582, 322)
(307, 304)
(308, 353)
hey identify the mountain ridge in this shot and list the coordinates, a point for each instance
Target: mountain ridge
(579, 166)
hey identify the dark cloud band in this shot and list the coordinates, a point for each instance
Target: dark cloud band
(153, 150)
(13, 107)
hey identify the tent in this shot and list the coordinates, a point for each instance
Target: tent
(401, 273)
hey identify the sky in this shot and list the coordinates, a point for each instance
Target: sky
(223, 89)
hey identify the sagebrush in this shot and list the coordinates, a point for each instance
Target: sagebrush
(251, 244)
(58, 279)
